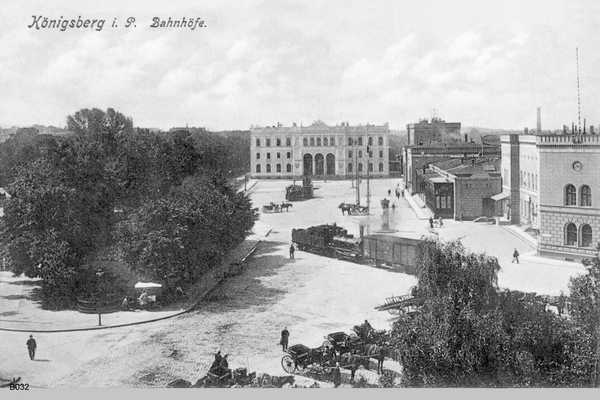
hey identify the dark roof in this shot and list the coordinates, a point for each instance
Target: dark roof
(482, 168)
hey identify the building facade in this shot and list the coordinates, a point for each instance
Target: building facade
(550, 182)
(436, 130)
(417, 156)
(461, 187)
(319, 150)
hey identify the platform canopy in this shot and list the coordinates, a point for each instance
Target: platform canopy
(147, 285)
(500, 196)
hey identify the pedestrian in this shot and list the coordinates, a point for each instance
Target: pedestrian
(217, 362)
(431, 222)
(143, 299)
(125, 304)
(337, 375)
(461, 217)
(292, 250)
(31, 346)
(440, 223)
(515, 256)
(224, 362)
(393, 207)
(285, 335)
(380, 359)
(402, 192)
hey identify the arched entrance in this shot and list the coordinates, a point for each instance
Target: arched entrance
(319, 164)
(308, 164)
(330, 164)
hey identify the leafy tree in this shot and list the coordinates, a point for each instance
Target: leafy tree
(585, 306)
(187, 232)
(468, 333)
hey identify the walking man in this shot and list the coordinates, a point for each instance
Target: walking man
(285, 335)
(515, 256)
(292, 249)
(431, 222)
(31, 346)
(389, 192)
(402, 192)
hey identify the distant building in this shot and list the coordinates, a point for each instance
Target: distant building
(418, 156)
(436, 130)
(461, 186)
(319, 150)
(549, 184)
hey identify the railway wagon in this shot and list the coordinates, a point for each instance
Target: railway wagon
(397, 252)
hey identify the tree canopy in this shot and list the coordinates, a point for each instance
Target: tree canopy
(155, 195)
(468, 333)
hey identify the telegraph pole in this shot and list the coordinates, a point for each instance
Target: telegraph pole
(357, 180)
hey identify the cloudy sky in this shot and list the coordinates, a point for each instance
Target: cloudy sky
(482, 63)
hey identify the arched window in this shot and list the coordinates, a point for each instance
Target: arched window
(586, 236)
(257, 142)
(370, 141)
(332, 141)
(278, 142)
(380, 141)
(571, 235)
(325, 142)
(360, 141)
(278, 167)
(258, 168)
(370, 167)
(268, 142)
(305, 142)
(380, 167)
(586, 196)
(350, 141)
(312, 141)
(288, 168)
(318, 141)
(360, 167)
(570, 196)
(349, 167)
(288, 141)
(268, 167)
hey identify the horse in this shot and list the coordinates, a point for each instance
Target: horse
(285, 206)
(378, 352)
(345, 208)
(353, 362)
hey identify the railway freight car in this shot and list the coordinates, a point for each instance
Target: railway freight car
(395, 252)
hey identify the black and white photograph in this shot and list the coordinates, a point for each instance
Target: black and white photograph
(296, 194)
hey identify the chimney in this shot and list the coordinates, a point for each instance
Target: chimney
(573, 128)
(539, 120)
(466, 138)
(584, 126)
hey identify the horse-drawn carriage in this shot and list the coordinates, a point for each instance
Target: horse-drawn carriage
(353, 209)
(300, 358)
(274, 207)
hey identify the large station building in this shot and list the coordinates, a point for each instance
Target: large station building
(550, 186)
(320, 151)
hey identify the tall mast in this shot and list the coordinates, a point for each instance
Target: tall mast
(578, 98)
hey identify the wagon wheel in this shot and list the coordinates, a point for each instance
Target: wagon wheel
(264, 209)
(288, 364)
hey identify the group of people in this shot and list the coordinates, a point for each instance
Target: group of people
(439, 223)
(220, 365)
(130, 302)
